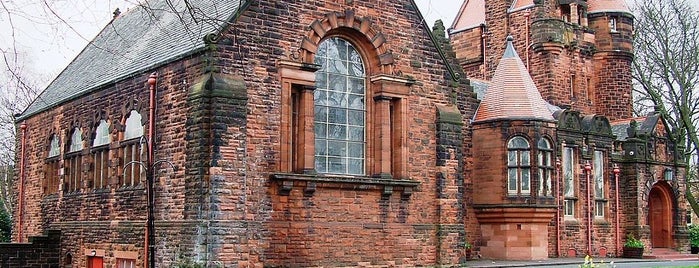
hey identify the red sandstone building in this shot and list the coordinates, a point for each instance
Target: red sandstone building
(338, 133)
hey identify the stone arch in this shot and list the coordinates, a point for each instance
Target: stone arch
(362, 29)
(660, 207)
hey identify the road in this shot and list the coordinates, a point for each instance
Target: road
(640, 264)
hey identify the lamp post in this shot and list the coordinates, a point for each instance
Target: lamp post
(616, 171)
(588, 168)
(149, 167)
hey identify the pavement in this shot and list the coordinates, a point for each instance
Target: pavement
(552, 262)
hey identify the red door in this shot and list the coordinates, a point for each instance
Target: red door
(94, 262)
(659, 218)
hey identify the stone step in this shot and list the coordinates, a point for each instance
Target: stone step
(669, 254)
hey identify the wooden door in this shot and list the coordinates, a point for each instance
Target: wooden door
(95, 262)
(659, 219)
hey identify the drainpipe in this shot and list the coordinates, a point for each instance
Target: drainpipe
(23, 128)
(558, 207)
(616, 201)
(150, 229)
(588, 168)
(526, 34)
(485, 58)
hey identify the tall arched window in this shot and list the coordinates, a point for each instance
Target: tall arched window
(74, 161)
(52, 166)
(100, 155)
(569, 193)
(518, 166)
(340, 109)
(545, 153)
(131, 150)
(598, 172)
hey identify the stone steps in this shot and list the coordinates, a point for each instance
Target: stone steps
(669, 254)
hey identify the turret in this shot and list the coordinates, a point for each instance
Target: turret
(612, 23)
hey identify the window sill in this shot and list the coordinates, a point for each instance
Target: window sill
(311, 182)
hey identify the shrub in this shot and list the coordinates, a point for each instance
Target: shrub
(632, 242)
(694, 235)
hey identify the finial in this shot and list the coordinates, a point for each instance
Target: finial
(152, 78)
(509, 48)
(116, 13)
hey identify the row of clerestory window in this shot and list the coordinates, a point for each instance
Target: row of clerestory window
(519, 182)
(127, 171)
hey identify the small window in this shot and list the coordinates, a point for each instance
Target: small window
(565, 12)
(612, 25)
(126, 263)
(689, 217)
(76, 141)
(54, 147)
(545, 155)
(573, 87)
(518, 166)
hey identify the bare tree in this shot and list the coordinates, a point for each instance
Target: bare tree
(666, 69)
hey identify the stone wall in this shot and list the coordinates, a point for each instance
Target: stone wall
(40, 252)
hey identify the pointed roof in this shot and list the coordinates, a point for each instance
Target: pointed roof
(520, 4)
(512, 93)
(146, 36)
(598, 6)
(471, 14)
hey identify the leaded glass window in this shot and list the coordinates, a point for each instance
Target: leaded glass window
(569, 182)
(545, 166)
(518, 166)
(340, 109)
(598, 172)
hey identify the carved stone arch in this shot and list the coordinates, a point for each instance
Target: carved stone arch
(347, 23)
(569, 120)
(596, 124)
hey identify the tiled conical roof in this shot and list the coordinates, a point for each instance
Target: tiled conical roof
(596, 6)
(471, 14)
(512, 93)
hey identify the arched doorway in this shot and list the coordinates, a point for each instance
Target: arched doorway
(660, 216)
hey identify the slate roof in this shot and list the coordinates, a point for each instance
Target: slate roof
(512, 93)
(146, 36)
(644, 126)
(597, 6)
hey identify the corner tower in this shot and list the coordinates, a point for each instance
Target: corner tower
(612, 23)
(511, 127)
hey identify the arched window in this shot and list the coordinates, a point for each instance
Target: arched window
(74, 161)
(545, 153)
(100, 155)
(52, 166)
(131, 150)
(340, 109)
(518, 166)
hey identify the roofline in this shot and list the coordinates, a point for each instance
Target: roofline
(458, 15)
(514, 118)
(245, 4)
(470, 27)
(454, 75)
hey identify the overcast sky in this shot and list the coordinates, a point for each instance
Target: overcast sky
(46, 46)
